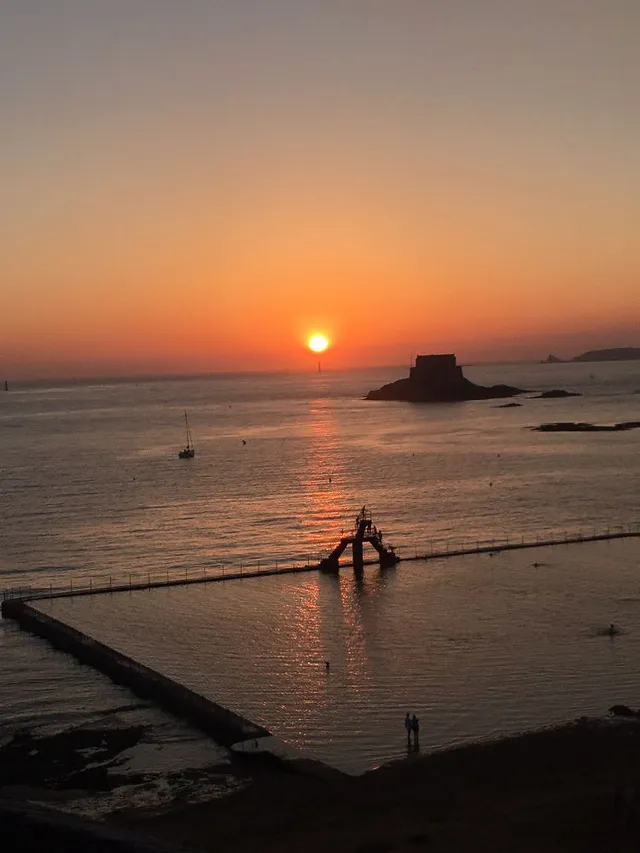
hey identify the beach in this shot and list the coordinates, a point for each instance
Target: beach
(573, 787)
(548, 790)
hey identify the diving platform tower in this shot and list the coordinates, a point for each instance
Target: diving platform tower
(363, 531)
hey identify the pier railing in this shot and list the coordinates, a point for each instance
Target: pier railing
(451, 547)
(433, 549)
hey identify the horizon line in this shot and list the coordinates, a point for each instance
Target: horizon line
(105, 378)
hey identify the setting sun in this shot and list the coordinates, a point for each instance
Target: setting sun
(318, 343)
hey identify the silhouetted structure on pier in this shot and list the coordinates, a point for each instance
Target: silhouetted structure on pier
(363, 531)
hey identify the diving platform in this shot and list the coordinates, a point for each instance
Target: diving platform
(363, 531)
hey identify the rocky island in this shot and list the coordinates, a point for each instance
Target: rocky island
(556, 393)
(438, 379)
(572, 426)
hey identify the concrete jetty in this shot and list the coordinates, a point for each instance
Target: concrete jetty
(226, 727)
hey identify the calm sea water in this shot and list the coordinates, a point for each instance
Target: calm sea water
(91, 488)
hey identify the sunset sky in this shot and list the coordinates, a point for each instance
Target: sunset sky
(201, 185)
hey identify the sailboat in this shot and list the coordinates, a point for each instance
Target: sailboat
(188, 451)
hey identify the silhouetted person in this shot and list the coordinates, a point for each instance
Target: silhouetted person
(612, 630)
(326, 665)
(415, 728)
(407, 725)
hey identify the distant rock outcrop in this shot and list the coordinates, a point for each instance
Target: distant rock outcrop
(571, 426)
(438, 379)
(619, 354)
(557, 392)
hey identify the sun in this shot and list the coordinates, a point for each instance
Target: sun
(318, 343)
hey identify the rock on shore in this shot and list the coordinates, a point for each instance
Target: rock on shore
(557, 393)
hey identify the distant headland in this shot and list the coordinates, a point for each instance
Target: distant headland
(438, 379)
(619, 354)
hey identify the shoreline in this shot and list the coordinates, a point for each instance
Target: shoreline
(559, 788)
(562, 788)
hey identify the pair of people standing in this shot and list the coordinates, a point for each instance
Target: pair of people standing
(412, 725)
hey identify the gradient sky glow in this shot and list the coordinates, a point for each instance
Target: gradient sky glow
(199, 186)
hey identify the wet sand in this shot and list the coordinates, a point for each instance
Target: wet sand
(553, 790)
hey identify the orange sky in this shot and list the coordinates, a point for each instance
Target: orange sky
(202, 191)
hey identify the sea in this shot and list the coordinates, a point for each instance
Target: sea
(92, 492)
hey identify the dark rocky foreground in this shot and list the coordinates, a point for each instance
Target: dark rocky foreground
(571, 426)
(73, 759)
(438, 379)
(30, 829)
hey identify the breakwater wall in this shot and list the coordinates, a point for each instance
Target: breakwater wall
(223, 725)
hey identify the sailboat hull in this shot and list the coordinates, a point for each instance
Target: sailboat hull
(189, 451)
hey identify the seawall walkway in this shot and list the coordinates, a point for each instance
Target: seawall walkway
(226, 727)
(434, 551)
